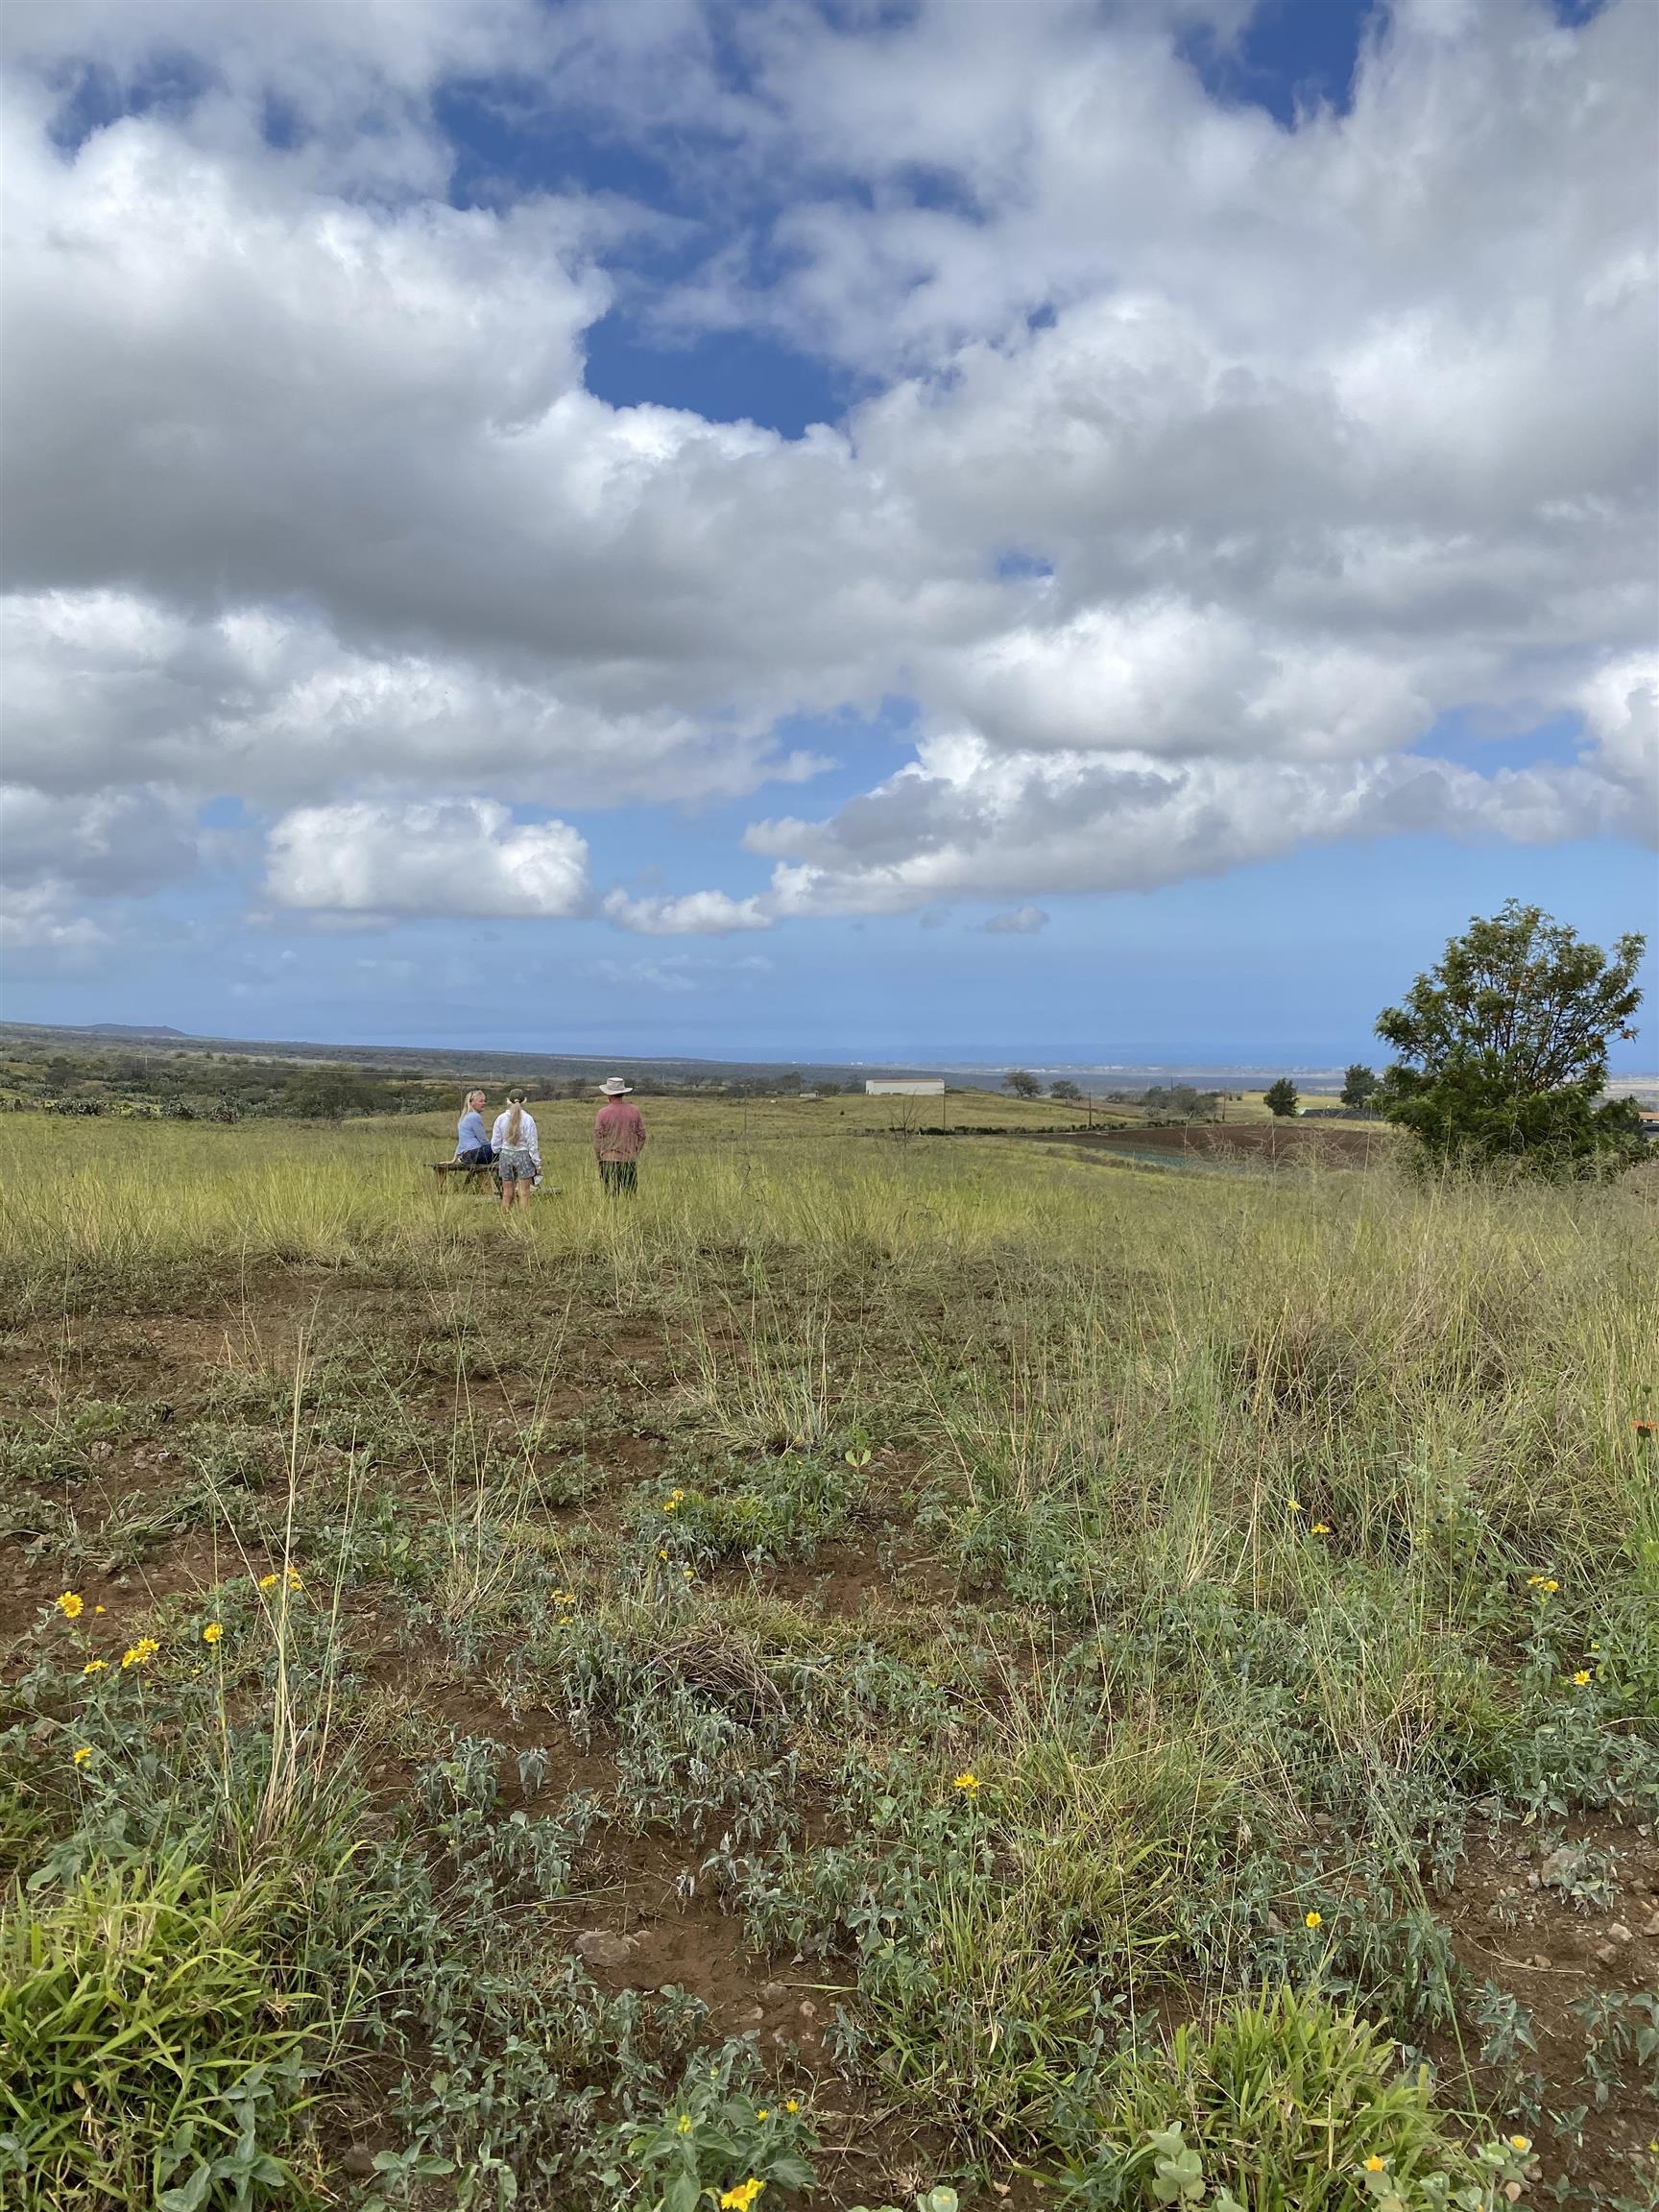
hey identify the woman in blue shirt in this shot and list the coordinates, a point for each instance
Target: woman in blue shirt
(473, 1147)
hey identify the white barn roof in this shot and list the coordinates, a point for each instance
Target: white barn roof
(905, 1085)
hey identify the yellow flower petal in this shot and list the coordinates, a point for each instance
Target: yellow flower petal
(1313, 1919)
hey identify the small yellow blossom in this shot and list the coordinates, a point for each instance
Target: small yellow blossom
(97, 1609)
(1321, 1528)
(1521, 2143)
(792, 2104)
(673, 1500)
(84, 1754)
(1582, 1680)
(1295, 1505)
(70, 1605)
(213, 1631)
(1376, 2165)
(1534, 1581)
(764, 2113)
(689, 1573)
(1313, 1919)
(661, 1550)
(269, 1581)
(967, 1783)
(144, 1649)
(96, 1667)
(1548, 1587)
(682, 2126)
(740, 2198)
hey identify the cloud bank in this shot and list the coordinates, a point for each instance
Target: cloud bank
(1202, 470)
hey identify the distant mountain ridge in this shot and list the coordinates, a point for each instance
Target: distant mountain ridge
(130, 1029)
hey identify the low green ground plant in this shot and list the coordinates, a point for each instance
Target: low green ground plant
(1286, 2104)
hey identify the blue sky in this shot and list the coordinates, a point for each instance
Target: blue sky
(1084, 532)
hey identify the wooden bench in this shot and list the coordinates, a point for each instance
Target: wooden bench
(462, 1174)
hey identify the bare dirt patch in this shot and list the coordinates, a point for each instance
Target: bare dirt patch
(1270, 1143)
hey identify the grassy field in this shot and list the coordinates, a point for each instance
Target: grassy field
(876, 1668)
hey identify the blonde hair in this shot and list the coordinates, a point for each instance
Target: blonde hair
(515, 1119)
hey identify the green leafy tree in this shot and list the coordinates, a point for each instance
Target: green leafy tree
(1064, 1088)
(1360, 1085)
(1023, 1083)
(1502, 1047)
(1281, 1099)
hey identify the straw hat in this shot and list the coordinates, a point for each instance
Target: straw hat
(614, 1087)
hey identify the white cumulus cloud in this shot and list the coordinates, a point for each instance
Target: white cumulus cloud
(443, 857)
(693, 914)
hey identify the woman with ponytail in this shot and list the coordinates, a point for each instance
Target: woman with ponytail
(517, 1150)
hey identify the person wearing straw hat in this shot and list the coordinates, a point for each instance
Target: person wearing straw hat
(618, 1139)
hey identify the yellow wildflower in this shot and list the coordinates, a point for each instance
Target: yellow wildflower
(682, 2126)
(84, 1754)
(96, 1667)
(97, 1609)
(792, 2104)
(689, 1573)
(1295, 1505)
(1521, 2143)
(1321, 1527)
(1582, 1680)
(967, 1783)
(1313, 1919)
(1548, 1587)
(70, 1605)
(213, 1631)
(1376, 2165)
(764, 2113)
(661, 1550)
(294, 1581)
(144, 1649)
(269, 1581)
(740, 2198)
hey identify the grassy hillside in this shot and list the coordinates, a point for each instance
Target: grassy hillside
(878, 1665)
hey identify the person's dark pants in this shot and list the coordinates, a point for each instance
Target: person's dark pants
(481, 1156)
(619, 1175)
